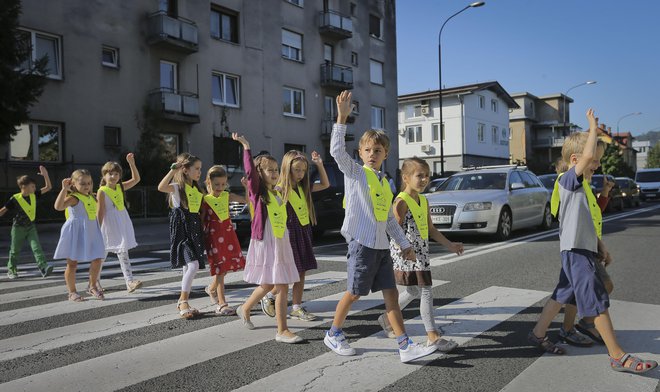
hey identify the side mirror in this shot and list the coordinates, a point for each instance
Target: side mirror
(517, 185)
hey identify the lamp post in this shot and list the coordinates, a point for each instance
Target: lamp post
(442, 133)
(622, 117)
(566, 95)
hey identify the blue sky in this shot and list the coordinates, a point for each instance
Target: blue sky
(542, 47)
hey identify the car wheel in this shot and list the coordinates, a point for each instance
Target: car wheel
(504, 225)
(547, 218)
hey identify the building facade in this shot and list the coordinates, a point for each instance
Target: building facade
(268, 69)
(476, 126)
(642, 147)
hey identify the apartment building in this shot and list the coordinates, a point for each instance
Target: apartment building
(642, 147)
(268, 69)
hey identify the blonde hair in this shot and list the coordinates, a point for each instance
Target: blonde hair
(215, 171)
(185, 161)
(260, 161)
(76, 176)
(287, 183)
(561, 166)
(574, 144)
(110, 167)
(408, 168)
(376, 136)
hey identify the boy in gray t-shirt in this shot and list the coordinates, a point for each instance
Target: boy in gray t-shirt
(578, 283)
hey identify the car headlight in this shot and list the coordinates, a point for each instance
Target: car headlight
(623, 194)
(478, 206)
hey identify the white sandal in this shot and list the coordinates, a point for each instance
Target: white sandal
(186, 313)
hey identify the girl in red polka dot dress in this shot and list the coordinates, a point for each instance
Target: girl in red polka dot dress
(222, 247)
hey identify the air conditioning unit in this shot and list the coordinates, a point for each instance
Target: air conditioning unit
(426, 148)
(426, 110)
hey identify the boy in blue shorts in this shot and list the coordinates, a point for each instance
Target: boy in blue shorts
(369, 219)
(580, 246)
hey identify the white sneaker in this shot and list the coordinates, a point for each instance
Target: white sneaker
(415, 351)
(385, 324)
(338, 344)
(287, 339)
(443, 345)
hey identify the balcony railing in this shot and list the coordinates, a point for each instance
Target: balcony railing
(175, 105)
(548, 142)
(339, 76)
(176, 33)
(335, 25)
(326, 129)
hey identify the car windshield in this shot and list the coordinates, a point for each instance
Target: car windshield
(623, 183)
(474, 181)
(651, 176)
(548, 181)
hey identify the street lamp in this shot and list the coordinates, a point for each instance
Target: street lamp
(442, 132)
(622, 117)
(566, 95)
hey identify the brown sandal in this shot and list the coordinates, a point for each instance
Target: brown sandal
(75, 297)
(545, 344)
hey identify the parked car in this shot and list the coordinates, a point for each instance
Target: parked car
(434, 184)
(629, 191)
(548, 181)
(649, 183)
(491, 200)
(616, 198)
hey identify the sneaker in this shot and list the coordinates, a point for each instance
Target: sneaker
(443, 345)
(268, 306)
(415, 351)
(338, 344)
(288, 339)
(12, 274)
(133, 285)
(46, 271)
(574, 338)
(302, 314)
(385, 324)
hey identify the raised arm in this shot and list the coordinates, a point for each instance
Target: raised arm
(164, 185)
(323, 176)
(337, 141)
(590, 147)
(47, 185)
(63, 200)
(253, 179)
(135, 174)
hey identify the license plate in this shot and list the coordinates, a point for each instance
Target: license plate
(233, 225)
(650, 195)
(441, 219)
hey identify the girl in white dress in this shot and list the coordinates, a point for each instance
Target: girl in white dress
(116, 225)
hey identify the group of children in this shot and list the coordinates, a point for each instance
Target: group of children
(387, 239)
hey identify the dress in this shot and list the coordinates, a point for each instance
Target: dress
(117, 228)
(412, 273)
(80, 237)
(185, 234)
(223, 249)
(301, 241)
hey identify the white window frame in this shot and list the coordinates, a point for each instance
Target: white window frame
(115, 56)
(504, 138)
(375, 63)
(33, 54)
(223, 99)
(495, 134)
(434, 127)
(177, 138)
(374, 111)
(175, 68)
(292, 95)
(298, 3)
(481, 128)
(482, 101)
(289, 48)
(34, 141)
(414, 134)
(494, 105)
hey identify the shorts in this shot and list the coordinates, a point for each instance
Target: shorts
(601, 272)
(579, 283)
(368, 269)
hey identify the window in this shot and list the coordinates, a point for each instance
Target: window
(299, 3)
(354, 58)
(294, 104)
(375, 26)
(504, 138)
(514, 177)
(43, 45)
(482, 102)
(224, 25)
(328, 53)
(414, 134)
(480, 132)
(329, 108)
(531, 108)
(40, 142)
(493, 105)
(168, 75)
(376, 71)
(528, 180)
(110, 57)
(435, 132)
(298, 147)
(356, 107)
(171, 142)
(353, 9)
(377, 117)
(291, 45)
(112, 136)
(225, 89)
(169, 6)
(495, 135)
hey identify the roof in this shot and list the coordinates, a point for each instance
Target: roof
(493, 86)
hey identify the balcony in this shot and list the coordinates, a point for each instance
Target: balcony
(337, 76)
(326, 130)
(335, 25)
(175, 105)
(548, 142)
(174, 33)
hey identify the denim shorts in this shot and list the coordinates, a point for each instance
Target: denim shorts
(368, 269)
(580, 284)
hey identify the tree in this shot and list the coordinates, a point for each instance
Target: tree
(612, 163)
(653, 158)
(21, 79)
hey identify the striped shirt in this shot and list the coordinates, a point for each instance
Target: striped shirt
(360, 222)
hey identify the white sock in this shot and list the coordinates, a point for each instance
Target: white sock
(297, 306)
(125, 265)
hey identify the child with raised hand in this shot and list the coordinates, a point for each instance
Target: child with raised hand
(269, 261)
(80, 236)
(24, 205)
(116, 225)
(223, 249)
(297, 193)
(181, 183)
(368, 222)
(580, 246)
(411, 210)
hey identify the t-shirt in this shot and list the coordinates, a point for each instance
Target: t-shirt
(20, 217)
(576, 228)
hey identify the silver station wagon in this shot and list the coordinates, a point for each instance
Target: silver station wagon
(495, 200)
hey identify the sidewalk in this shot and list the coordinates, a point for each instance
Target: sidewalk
(150, 233)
